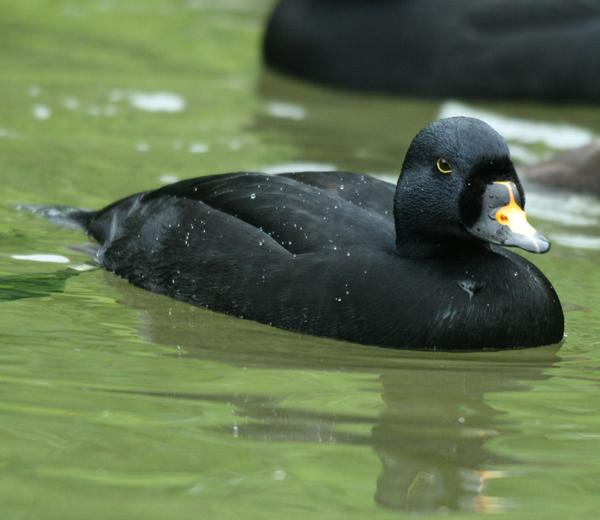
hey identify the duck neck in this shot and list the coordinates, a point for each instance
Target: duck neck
(424, 230)
(410, 249)
(411, 240)
(411, 246)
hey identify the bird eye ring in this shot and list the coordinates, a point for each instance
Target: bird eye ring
(443, 166)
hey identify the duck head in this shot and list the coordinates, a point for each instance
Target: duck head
(459, 188)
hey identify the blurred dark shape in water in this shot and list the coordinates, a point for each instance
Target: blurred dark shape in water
(542, 50)
(431, 434)
(575, 170)
(35, 285)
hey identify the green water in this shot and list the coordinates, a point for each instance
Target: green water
(120, 404)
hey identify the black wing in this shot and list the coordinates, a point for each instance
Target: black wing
(303, 212)
(363, 190)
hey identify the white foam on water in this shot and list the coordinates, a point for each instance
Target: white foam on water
(142, 146)
(41, 112)
(298, 167)
(198, 148)
(157, 101)
(7, 134)
(94, 110)
(83, 267)
(286, 110)
(523, 155)
(51, 259)
(577, 241)
(168, 178)
(575, 210)
(34, 91)
(553, 135)
(97, 110)
(70, 103)
(234, 144)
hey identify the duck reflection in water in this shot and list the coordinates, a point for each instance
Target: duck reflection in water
(432, 434)
(34, 285)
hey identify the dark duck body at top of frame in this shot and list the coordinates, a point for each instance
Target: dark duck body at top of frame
(543, 50)
(419, 265)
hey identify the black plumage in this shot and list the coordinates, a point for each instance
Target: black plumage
(520, 49)
(345, 255)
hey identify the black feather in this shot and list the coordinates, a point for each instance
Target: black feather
(340, 254)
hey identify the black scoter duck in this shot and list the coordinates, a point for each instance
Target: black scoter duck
(520, 49)
(419, 265)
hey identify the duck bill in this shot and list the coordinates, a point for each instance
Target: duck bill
(503, 221)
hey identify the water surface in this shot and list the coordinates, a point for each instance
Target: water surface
(117, 403)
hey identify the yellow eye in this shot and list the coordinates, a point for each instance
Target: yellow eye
(443, 166)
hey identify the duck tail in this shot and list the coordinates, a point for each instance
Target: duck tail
(65, 216)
